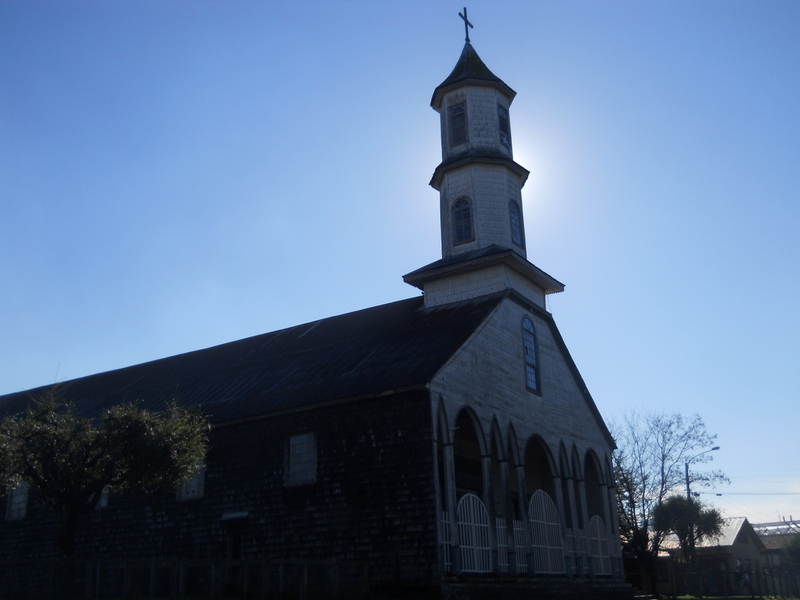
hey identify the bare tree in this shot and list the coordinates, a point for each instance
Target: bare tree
(650, 464)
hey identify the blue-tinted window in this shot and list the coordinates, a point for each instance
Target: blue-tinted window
(531, 355)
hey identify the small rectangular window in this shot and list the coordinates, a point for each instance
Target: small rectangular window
(301, 459)
(193, 488)
(458, 124)
(17, 506)
(102, 502)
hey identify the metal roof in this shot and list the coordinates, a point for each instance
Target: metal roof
(388, 347)
(469, 69)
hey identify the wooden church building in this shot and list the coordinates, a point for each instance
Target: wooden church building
(444, 444)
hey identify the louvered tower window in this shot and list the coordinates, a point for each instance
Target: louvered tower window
(458, 124)
(516, 223)
(504, 126)
(462, 222)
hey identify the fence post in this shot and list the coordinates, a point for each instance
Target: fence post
(126, 581)
(87, 581)
(266, 579)
(151, 592)
(181, 580)
(98, 574)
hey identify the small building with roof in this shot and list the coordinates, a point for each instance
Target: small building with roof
(731, 563)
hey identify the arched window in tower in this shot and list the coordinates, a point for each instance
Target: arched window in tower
(531, 356)
(462, 222)
(458, 124)
(516, 223)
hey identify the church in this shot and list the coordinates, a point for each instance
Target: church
(443, 445)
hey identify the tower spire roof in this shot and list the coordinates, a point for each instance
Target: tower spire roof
(469, 69)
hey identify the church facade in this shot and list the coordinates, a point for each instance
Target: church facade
(445, 443)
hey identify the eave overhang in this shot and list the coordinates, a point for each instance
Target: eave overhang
(480, 259)
(476, 157)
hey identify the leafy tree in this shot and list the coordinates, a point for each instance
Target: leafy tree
(69, 460)
(689, 520)
(653, 449)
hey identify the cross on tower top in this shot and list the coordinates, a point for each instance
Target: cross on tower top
(467, 24)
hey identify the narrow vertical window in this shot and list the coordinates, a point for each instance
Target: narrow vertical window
(17, 506)
(504, 126)
(301, 459)
(462, 222)
(458, 124)
(531, 355)
(516, 223)
(102, 502)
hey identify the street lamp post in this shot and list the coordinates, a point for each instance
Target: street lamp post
(692, 556)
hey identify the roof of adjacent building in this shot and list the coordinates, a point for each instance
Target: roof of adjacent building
(730, 530)
(469, 69)
(778, 541)
(735, 530)
(390, 347)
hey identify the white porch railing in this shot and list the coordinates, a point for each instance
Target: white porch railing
(521, 545)
(501, 534)
(473, 529)
(548, 552)
(601, 560)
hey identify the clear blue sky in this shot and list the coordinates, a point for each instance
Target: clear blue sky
(174, 175)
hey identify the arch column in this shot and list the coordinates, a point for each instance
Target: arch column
(522, 507)
(606, 507)
(450, 502)
(611, 499)
(488, 501)
(509, 516)
(559, 499)
(525, 518)
(571, 505)
(583, 503)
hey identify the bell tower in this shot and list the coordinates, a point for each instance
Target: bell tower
(479, 184)
(480, 192)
